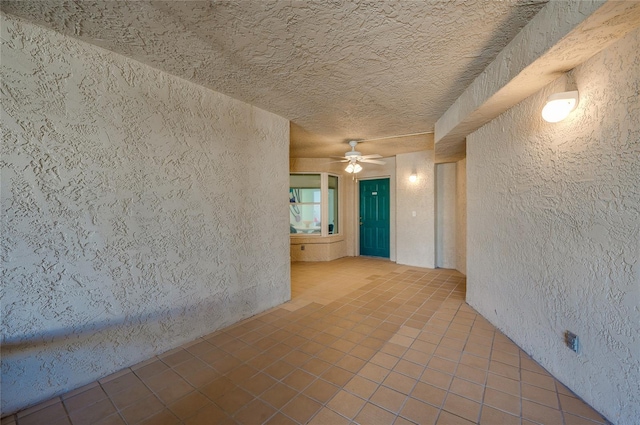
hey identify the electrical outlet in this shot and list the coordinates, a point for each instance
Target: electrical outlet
(571, 340)
(301, 247)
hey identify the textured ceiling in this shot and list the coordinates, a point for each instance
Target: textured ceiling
(338, 70)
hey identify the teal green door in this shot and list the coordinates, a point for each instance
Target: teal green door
(374, 218)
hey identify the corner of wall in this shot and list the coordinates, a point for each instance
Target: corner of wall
(461, 216)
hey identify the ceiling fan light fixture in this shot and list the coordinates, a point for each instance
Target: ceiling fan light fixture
(353, 168)
(354, 158)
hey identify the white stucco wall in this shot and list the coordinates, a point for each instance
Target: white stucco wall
(461, 216)
(415, 235)
(554, 230)
(446, 215)
(139, 211)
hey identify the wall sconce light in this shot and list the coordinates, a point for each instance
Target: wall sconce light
(413, 178)
(559, 105)
(353, 168)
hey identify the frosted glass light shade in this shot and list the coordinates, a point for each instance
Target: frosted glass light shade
(559, 105)
(353, 168)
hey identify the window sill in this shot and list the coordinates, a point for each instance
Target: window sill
(296, 238)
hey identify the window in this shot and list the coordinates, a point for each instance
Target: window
(313, 204)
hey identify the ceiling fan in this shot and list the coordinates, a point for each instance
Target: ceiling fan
(353, 157)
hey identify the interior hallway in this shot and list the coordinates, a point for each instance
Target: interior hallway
(362, 341)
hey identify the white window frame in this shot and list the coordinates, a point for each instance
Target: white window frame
(324, 206)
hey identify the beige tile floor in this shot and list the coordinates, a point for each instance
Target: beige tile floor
(362, 341)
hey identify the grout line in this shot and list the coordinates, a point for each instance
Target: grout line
(371, 305)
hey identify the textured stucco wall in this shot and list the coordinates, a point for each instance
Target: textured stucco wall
(554, 230)
(415, 235)
(138, 211)
(547, 46)
(446, 215)
(461, 216)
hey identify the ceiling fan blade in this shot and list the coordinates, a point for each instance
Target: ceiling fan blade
(375, 155)
(339, 157)
(344, 160)
(372, 161)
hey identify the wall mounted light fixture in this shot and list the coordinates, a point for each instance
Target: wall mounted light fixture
(559, 105)
(413, 178)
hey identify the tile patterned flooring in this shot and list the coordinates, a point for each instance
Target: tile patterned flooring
(363, 341)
